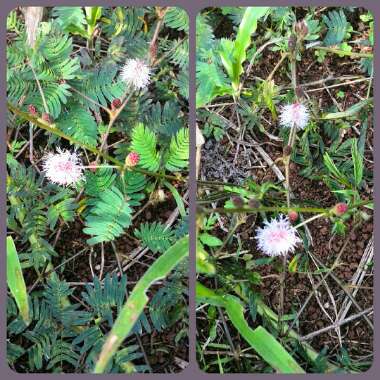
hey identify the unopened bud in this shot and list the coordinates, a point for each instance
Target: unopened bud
(293, 216)
(237, 201)
(116, 103)
(158, 196)
(46, 117)
(339, 209)
(301, 29)
(253, 203)
(32, 109)
(132, 159)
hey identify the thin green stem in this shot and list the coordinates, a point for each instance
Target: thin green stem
(99, 166)
(113, 116)
(343, 52)
(257, 210)
(311, 210)
(120, 166)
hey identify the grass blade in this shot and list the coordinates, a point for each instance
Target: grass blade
(233, 53)
(138, 299)
(15, 280)
(350, 112)
(358, 163)
(259, 339)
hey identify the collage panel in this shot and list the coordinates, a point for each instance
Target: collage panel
(97, 189)
(285, 205)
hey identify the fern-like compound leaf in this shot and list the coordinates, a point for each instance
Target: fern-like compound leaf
(144, 142)
(337, 26)
(108, 218)
(80, 124)
(178, 156)
(177, 18)
(155, 236)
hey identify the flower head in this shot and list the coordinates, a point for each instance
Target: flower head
(294, 114)
(136, 73)
(132, 159)
(63, 168)
(277, 237)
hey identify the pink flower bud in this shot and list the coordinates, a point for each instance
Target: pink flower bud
(32, 109)
(339, 209)
(293, 216)
(93, 166)
(237, 201)
(46, 117)
(132, 159)
(292, 43)
(116, 103)
(301, 28)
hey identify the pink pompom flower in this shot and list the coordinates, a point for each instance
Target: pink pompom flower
(277, 237)
(63, 168)
(136, 73)
(295, 114)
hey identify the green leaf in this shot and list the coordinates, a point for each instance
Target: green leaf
(71, 19)
(293, 264)
(357, 159)
(156, 236)
(226, 54)
(144, 142)
(352, 111)
(138, 299)
(211, 82)
(204, 295)
(178, 155)
(337, 25)
(329, 163)
(80, 124)
(15, 280)
(177, 197)
(203, 263)
(109, 217)
(177, 18)
(93, 14)
(259, 339)
(211, 79)
(269, 91)
(211, 241)
(64, 209)
(233, 53)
